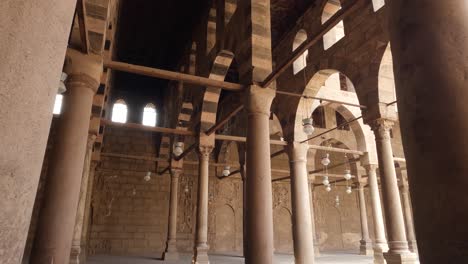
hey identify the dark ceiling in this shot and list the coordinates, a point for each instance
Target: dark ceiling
(154, 33)
(284, 14)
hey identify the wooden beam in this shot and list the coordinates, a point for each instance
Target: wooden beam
(170, 75)
(332, 129)
(124, 156)
(321, 99)
(148, 128)
(338, 150)
(82, 21)
(223, 121)
(326, 27)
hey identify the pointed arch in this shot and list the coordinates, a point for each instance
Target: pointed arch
(386, 79)
(58, 104)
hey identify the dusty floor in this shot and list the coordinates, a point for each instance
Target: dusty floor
(324, 258)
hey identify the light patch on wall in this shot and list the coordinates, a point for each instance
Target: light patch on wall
(337, 32)
(58, 104)
(378, 4)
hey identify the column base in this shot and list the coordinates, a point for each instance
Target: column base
(379, 255)
(365, 249)
(316, 251)
(401, 258)
(201, 255)
(77, 255)
(413, 246)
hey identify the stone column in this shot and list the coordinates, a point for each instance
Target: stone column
(259, 189)
(397, 243)
(55, 226)
(88, 215)
(32, 51)
(380, 242)
(312, 217)
(408, 214)
(429, 45)
(366, 244)
(201, 243)
(171, 243)
(78, 250)
(244, 208)
(300, 201)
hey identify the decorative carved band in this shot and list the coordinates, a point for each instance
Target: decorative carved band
(82, 80)
(205, 151)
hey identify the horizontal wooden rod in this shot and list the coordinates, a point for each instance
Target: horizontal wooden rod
(314, 174)
(351, 161)
(223, 121)
(277, 153)
(149, 128)
(165, 169)
(171, 75)
(124, 156)
(321, 99)
(326, 27)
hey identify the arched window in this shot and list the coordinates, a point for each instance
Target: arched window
(337, 32)
(149, 115)
(230, 7)
(58, 104)
(378, 4)
(119, 111)
(301, 62)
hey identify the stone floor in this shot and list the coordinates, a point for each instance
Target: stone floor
(324, 258)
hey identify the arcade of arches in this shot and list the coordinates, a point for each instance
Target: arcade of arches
(227, 131)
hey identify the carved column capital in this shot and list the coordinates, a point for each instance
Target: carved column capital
(91, 140)
(83, 70)
(259, 100)
(371, 167)
(205, 151)
(297, 151)
(381, 128)
(176, 172)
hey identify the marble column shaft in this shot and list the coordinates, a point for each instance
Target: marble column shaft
(201, 236)
(380, 241)
(300, 201)
(33, 42)
(365, 238)
(429, 41)
(398, 245)
(78, 254)
(259, 187)
(408, 214)
(171, 243)
(55, 226)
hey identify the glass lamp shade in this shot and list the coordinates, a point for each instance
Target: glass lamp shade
(62, 88)
(328, 188)
(347, 175)
(325, 181)
(308, 128)
(326, 160)
(349, 190)
(178, 148)
(147, 176)
(337, 201)
(186, 190)
(226, 171)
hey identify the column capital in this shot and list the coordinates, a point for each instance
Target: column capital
(91, 140)
(297, 151)
(84, 69)
(205, 151)
(371, 167)
(259, 100)
(176, 172)
(381, 128)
